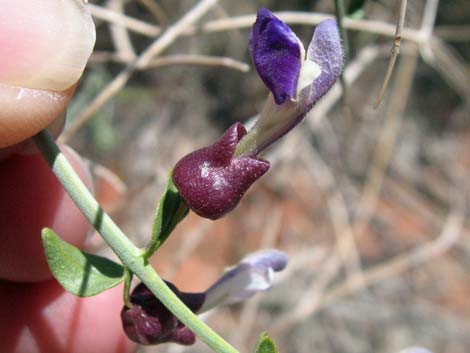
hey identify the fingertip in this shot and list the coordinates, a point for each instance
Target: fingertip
(45, 44)
(27, 147)
(27, 111)
(32, 198)
(43, 318)
(45, 47)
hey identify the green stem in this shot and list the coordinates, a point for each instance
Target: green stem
(127, 287)
(340, 14)
(128, 253)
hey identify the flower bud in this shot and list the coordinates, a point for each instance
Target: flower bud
(212, 181)
(150, 322)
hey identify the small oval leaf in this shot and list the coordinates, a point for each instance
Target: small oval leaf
(78, 272)
(265, 344)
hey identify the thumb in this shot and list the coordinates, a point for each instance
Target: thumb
(45, 47)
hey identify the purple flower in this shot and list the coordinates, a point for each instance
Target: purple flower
(150, 322)
(212, 180)
(277, 54)
(296, 80)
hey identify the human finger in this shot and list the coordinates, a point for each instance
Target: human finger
(33, 198)
(45, 46)
(43, 318)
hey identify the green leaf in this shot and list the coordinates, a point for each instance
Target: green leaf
(170, 211)
(78, 272)
(265, 344)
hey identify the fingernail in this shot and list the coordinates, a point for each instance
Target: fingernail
(26, 111)
(45, 44)
(28, 146)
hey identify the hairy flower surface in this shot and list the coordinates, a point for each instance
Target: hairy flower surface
(212, 180)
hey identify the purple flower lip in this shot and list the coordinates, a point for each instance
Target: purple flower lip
(212, 181)
(277, 55)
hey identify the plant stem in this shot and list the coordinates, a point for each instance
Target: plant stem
(127, 287)
(128, 253)
(340, 13)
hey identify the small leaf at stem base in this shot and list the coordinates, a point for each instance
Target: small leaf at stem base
(265, 344)
(78, 272)
(171, 210)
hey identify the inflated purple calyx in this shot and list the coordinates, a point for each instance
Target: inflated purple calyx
(212, 181)
(277, 54)
(150, 322)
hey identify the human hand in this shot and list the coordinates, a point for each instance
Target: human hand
(45, 46)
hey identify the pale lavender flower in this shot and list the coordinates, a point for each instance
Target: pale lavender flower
(253, 274)
(148, 321)
(415, 350)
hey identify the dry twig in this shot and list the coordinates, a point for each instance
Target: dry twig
(156, 10)
(386, 141)
(245, 21)
(158, 46)
(346, 247)
(131, 23)
(395, 52)
(312, 302)
(119, 33)
(177, 59)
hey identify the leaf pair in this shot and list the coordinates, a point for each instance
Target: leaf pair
(85, 274)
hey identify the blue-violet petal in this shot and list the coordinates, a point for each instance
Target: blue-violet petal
(277, 55)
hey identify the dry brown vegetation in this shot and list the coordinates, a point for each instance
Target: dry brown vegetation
(371, 205)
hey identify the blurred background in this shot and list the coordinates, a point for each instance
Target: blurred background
(371, 205)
